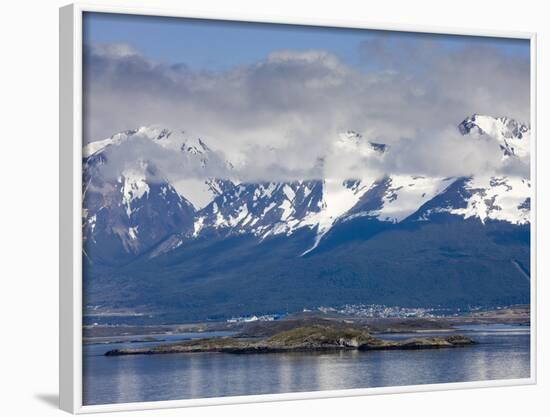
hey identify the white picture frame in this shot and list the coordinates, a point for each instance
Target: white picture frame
(70, 152)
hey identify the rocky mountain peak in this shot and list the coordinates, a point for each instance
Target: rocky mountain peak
(352, 141)
(512, 136)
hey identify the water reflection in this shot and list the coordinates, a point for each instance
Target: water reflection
(499, 355)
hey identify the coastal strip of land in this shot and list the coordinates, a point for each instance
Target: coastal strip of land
(99, 334)
(317, 337)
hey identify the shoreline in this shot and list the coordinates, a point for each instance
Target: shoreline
(312, 338)
(109, 334)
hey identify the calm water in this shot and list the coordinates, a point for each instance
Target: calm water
(502, 353)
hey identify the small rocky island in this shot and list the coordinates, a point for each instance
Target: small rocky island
(316, 337)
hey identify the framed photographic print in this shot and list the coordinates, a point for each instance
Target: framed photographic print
(260, 210)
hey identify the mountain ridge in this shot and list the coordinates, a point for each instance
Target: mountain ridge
(264, 209)
(271, 247)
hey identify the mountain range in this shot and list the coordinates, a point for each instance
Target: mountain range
(212, 245)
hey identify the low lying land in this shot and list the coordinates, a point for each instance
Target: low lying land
(309, 338)
(263, 330)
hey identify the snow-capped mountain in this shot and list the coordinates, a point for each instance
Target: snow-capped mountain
(485, 198)
(489, 198)
(131, 213)
(133, 203)
(514, 137)
(273, 208)
(261, 209)
(175, 149)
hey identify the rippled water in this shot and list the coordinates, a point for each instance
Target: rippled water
(502, 353)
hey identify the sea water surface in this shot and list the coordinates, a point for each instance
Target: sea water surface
(502, 352)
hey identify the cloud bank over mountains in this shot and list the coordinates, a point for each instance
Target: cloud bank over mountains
(279, 118)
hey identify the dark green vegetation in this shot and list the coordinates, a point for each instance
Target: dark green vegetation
(453, 263)
(310, 338)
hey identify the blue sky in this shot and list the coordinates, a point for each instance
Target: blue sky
(219, 45)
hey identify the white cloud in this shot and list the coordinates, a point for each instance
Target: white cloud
(279, 115)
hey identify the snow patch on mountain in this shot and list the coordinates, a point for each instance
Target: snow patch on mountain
(199, 192)
(169, 139)
(406, 193)
(494, 198)
(338, 198)
(97, 146)
(196, 206)
(191, 151)
(134, 184)
(514, 137)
